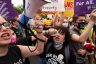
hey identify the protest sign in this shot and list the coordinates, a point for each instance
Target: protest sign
(6, 9)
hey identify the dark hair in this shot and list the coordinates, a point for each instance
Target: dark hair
(76, 17)
(63, 30)
(13, 20)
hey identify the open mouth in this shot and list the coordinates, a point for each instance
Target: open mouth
(5, 36)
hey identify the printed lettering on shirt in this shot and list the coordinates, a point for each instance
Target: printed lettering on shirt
(55, 59)
(19, 62)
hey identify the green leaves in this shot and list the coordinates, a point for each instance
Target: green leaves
(19, 9)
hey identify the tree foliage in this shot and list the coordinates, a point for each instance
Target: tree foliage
(19, 9)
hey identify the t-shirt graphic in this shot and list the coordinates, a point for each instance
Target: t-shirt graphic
(54, 59)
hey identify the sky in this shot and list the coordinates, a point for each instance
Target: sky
(17, 2)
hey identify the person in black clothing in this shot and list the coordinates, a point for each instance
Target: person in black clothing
(14, 27)
(75, 37)
(79, 23)
(14, 54)
(56, 52)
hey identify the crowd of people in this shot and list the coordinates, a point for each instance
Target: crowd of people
(56, 41)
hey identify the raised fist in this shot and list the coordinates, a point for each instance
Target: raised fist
(52, 31)
(93, 15)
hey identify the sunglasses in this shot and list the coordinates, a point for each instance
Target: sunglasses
(5, 24)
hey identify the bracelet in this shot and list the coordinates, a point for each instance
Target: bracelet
(34, 49)
(34, 31)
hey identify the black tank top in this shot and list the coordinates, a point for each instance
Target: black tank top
(12, 57)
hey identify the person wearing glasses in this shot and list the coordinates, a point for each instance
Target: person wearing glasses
(14, 54)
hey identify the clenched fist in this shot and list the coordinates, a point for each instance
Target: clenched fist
(93, 15)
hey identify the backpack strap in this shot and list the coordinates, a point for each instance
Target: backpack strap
(67, 53)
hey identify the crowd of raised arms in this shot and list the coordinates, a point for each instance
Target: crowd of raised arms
(56, 41)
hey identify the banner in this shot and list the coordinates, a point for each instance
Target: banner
(84, 6)
(6, 9)
(55, 5)
(69, 8)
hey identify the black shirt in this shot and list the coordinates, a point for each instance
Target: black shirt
(12, 57)
(54, 56)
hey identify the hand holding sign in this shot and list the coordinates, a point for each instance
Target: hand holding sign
(31, 8)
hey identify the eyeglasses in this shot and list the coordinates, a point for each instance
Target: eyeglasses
(5, 24)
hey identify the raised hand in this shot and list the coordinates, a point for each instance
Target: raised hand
(93, 15)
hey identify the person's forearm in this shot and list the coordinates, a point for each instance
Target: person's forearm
(41, 37)
(40, 47)
(84, 36)
(27, 51)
